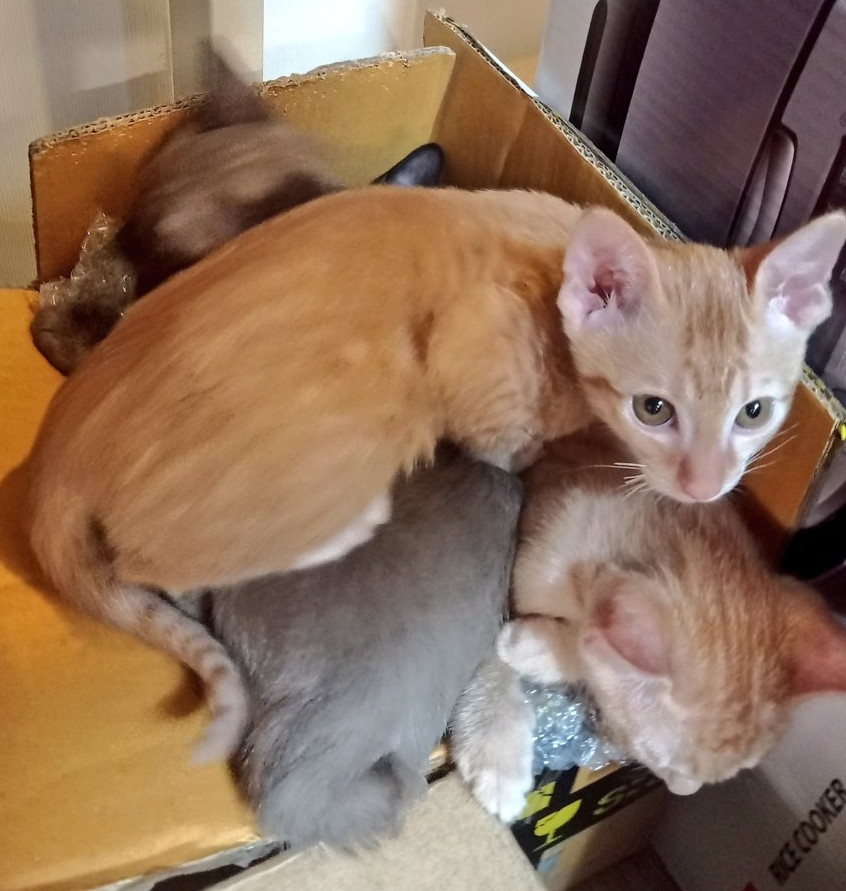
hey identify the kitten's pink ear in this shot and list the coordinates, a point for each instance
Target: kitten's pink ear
(608, 272)
(819, 647)
(793, 275)
(627, 620)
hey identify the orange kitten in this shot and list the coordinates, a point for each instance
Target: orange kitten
(250, 415)
(693, 649)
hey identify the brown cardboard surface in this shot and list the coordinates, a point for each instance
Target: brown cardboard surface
(370, 113)
(776, 494)
(494, 134)
(95, 780)
(448, 843)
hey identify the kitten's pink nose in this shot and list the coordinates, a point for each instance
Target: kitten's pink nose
(701, 479)
(700, 489)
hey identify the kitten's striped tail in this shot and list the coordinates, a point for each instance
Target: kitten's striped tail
(156, 621)
(79, 560)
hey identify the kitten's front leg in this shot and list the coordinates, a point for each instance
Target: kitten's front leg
(540, 648)
(492, 727)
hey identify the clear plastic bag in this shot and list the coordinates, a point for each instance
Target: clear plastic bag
(566, 730)
(75, 313)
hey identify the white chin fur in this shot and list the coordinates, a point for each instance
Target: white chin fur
(680, 785)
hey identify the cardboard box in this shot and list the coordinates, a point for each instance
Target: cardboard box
(578, 822)
(780, 826)
(95, 775)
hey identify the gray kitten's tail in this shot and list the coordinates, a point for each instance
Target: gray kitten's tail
(80, 564)
(312, 801)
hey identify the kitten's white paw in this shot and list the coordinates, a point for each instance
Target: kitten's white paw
(497, 763)
(502, 793)
(527, 652)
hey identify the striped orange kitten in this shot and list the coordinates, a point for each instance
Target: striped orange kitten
(694, 651)
(250, 415)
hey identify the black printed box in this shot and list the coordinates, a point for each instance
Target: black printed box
(577, 820)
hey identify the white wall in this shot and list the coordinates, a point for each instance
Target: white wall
(299, 36)
(64, 62)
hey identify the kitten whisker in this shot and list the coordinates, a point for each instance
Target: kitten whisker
(619, 465)
(759, 466)
(765, 452)
(633, 484)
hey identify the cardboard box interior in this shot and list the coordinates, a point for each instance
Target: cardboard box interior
(95, 772)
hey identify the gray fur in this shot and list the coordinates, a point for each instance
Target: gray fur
(354, 667)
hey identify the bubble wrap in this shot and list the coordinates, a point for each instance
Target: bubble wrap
(74, 314)
(101, 274)
(565, 730)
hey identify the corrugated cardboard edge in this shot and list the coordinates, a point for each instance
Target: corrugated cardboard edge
(633, 196)
(156, 122)
(270, 87)
(244, 857)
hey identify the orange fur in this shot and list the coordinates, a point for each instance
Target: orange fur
(694, 649)
(249, 415)
(255, 404)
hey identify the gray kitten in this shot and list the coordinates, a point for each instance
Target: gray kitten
(353, 667)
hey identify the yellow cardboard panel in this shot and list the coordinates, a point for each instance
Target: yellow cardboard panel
(95, 776)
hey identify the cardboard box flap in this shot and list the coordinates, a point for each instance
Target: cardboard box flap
(496, 134)
(370, 113)
(98, 728)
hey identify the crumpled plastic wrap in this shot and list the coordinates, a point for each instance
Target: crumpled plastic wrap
(102, 273)
(76, 313)
(565, 730)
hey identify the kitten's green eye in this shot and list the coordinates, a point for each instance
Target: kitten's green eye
(652, 410)
(755, 413)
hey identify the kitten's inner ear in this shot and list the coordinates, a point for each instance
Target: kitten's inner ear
(819, 648)
(608, 272)
(793, 275)
(229, 100)
(627, 620)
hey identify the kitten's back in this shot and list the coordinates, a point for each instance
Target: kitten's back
(342, 367)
